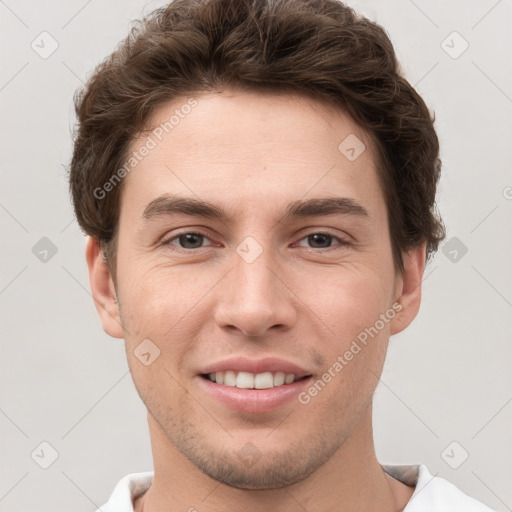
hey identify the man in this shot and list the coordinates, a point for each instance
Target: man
(258, 182)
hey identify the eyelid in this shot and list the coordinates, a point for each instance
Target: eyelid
(342, 241)
(186, 232)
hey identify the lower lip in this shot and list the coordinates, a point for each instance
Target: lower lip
(253, 400)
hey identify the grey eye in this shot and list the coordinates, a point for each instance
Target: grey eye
(189, 240)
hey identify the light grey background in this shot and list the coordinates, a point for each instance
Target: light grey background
(63, 381)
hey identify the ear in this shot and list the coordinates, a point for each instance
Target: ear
(103, 290)
(408, 288)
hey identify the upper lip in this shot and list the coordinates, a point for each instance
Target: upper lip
(267, 364)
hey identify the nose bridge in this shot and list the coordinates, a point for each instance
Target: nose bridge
(254, 299)
(253, 271)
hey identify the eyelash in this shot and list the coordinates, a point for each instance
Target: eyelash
(342, 242)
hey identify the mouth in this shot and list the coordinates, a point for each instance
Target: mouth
(255, 381)
(253, 393)
(253, 385)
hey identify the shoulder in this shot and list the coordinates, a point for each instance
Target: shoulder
(126, 490)
(432, 493)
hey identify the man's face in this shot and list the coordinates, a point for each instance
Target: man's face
(257, 284)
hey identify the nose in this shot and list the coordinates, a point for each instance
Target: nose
(255, 298)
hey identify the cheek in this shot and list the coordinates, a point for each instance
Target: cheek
(163, 303)
(356, 312)
(155, 312)
(355, 348)
(348, 300)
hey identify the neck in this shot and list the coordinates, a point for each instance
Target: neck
(351, 480)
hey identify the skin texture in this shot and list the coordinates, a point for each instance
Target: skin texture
(252, 154)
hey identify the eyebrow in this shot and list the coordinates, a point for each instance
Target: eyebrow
(168, 204)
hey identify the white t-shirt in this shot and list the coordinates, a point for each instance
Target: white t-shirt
(431, 494)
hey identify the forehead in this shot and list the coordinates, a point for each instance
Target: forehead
(248, 148)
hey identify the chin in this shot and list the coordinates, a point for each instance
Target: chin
(252, 469)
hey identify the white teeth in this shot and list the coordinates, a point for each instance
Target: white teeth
(247, 380)
(229, 378)
(278, 379)
(264, 380)
(289, 378)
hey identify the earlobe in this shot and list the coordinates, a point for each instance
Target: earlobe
(103, 290)
(409, 291)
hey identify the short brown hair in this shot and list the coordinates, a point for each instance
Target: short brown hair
(318, 48)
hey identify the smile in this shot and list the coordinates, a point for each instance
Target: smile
(247, 380)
